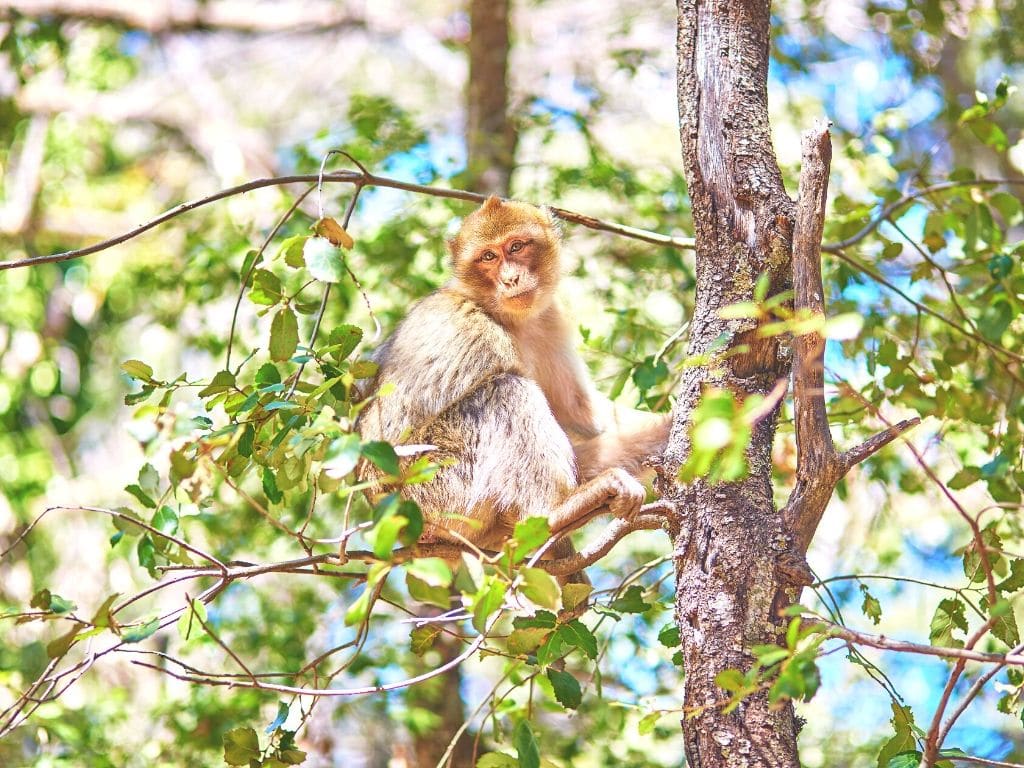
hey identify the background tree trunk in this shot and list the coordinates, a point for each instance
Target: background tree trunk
(490, 152)
(730, 536)
(490, 134)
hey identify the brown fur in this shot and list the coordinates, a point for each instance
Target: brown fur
(485, 371)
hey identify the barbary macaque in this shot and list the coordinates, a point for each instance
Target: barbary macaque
(486, 373)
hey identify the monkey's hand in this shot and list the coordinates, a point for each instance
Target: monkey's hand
(626, 494)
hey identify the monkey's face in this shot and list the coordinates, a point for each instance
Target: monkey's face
(506, 258)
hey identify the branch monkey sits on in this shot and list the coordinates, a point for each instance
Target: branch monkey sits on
(485, 370)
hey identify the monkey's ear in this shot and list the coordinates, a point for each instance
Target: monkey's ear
(491, 203)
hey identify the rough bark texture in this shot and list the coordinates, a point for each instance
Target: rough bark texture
(729, 537)
(490, 135)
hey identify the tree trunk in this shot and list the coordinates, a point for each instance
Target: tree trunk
(490, 135)
(730, 539)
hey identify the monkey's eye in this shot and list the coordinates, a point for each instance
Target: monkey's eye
(516, 246)
(489, 256)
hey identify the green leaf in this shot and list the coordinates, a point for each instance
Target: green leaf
(222, 382)
(731, 680)
(574, 595)
(577, 634)
(141, 632)
(669, 636)
(47, 601)
(567, 688)
(541, 587)
(266, 288)
(270, 489)
(487, 601)
(870, 606)
(137, 369)
(149, 479)
(240, 746)
(284, 335)
(648, 722)
(385, 534)
(58, 647)
(421, 639)
(343, 340)
(903, 740)
(147, 553)
(1004, 625)
(949, 616)
(649, 374)
(911, 759)
(165, 520)
(141, 495)
(363, 369)
(528, 535)
(323, 260)
(423, 592)
(382, 455)
(291, 248)
(1015, 581)
(342, 455)
(964, 477)
(526, 640)
(182, 466)
(431, 570)
(497, 760)
(526, 746)
(631, 601)
(102, 615)
(189, 623)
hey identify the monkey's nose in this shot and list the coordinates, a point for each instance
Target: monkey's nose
(511, 282)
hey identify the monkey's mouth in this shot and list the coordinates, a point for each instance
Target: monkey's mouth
(521, 296)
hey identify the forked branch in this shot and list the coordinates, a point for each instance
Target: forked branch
(819, 466)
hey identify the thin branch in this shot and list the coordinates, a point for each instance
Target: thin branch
(970, 696)
(343, 177)
(903, 646)
(220, 15)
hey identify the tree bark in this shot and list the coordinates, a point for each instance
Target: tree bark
(490, 134)
(729, 539)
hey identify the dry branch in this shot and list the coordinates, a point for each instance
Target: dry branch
(819, 465)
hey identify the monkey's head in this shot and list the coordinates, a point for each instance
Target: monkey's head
(506, 257)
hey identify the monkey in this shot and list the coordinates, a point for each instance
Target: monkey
(486, 377)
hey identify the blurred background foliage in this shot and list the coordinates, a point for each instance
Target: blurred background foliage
(109, 117)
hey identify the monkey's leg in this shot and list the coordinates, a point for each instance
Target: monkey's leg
(614, 490)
